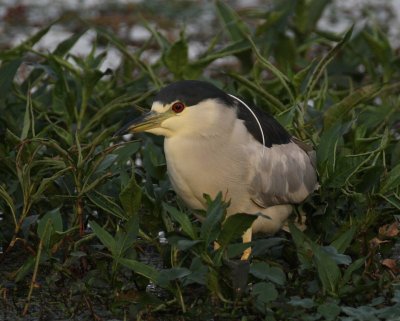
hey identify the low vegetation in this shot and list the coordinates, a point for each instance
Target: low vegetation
(91, 228)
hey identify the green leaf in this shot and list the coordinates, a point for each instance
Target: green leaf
(46, 182)
(328, 271)
(54, 216)
(27, 118)
(315, 10)
(234, 26)
(393, 200)
(105, 237)
(339, 171)
(357, 264)
(9, 201)
(328, 144)
(140, 268)
(50, 223)
(263, 246)
(337, 257)
(108, 160)
(301, 242)
(106, 203)
(285, 53)
(329, 311)
(176, 58)
(63, 134)
(30, 42)
(230, 50)
(153, 160)
(127, 150)
(300, 76)
(234, 250)
(91, 78)
(264, 292)
(131, 197)
(198, 272)
(187, 244)
(343, 241)
(7, 74)
(264, 271)
(182, 219)
(283, 79)
(66, 45)
(305, 303)
(161, 40)
(380, 46)
(126, 235)
(113, 106)
(273, 101)
(26, 268)
(392, 180)
(234, 227)
(88, 186)
(121, 46)
(321, 66)
(166, 276)
(338, 111)
(363, 313)
(212, 281)
(212, 223)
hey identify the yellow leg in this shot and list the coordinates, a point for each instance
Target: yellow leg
(246, 238)
(216, 245)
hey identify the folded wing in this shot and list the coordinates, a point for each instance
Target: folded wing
(285, 174)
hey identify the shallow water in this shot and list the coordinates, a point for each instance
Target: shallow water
(19, 19)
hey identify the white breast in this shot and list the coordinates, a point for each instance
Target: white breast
(198, 165)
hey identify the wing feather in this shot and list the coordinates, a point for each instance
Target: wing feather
(285, 174)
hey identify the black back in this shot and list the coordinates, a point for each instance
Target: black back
(192, 92)
(274, 133)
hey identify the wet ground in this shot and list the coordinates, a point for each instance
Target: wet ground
(130, 20)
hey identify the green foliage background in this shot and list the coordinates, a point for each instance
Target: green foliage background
(80, 216)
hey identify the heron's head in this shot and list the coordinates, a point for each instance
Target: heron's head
(187, 107)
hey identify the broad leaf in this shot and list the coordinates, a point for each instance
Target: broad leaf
(343, 241)
(328, 271)
(7, 74)
(126, 235)
(212, 223)
(234, 227)
(140, 268)
(182, 219)
(50, 223)
(234, 26)
(166, 276)
(105, 237)
(264, 292)
(264, 271)
(131, 197)
(106, 203)
(176, 58)
(392, 180)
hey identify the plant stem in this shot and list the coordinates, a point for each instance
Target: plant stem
(35, 271)
(180, 297)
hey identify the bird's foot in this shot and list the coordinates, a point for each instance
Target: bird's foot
(246, 254)
(246, 238)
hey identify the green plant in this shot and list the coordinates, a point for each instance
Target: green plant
(85, 213)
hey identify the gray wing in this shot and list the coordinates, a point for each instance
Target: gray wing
(285, 174)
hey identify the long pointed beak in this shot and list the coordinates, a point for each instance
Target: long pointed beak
(143, 123)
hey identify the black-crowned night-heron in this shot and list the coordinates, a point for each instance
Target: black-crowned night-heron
(214, 142)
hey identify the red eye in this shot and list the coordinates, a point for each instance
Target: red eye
(178, 107)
